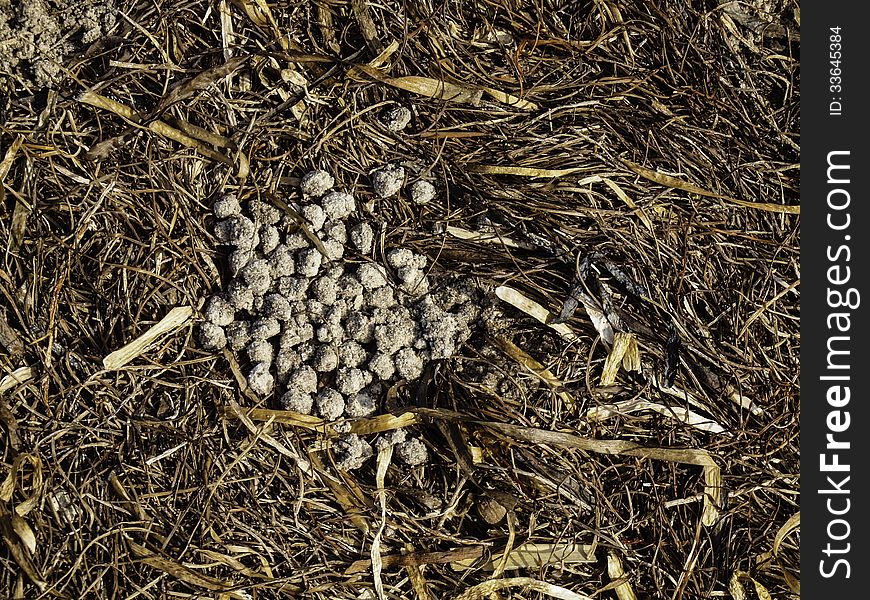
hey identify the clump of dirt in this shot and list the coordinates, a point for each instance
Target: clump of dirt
(37, 36)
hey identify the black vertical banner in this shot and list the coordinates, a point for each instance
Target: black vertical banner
(835, 439)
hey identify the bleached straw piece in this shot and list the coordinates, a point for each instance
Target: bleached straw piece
(535, 310)
(15, 378)
(174, 319)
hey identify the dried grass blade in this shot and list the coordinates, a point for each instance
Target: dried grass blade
(599, 413)
(18, 225)
(669, 181)
(438, 89)
(157, 126)
(349, 501)
(596, 315)
(536, 556)
(689, 456)
(486, 238)
(24, 532)
(198, 83)
(260, 14)
(17, 377)
(793, 524)
(502, 563)
(620, 193)
(286, 417)
(384, 56)
(419, 558)
(519, 301)
(385, 455)
(387, 422)
(537, 369)
(9, 338)
(482, 590)
(735, 586)
(19, 553)
(182, 573)
(260, 433)
(419, 583)
(9, 485)
(510, 99)
(367, 26)
(174, 319)
(422, 86)
(522, 171)
(763, 308)
(622, 587)
(233, 563)
(624, 352)
(9, 157)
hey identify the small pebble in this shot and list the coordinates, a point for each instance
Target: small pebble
(237, 231)
(412, 452)
(308, 262)
(338, 205)
(336, 231)
(360, 405)
(314, 215)
(359, 328)
(325, 359)
(400, 257)
(212, 337)
(265, 328)
(316, 183)
(381, 365)
(240, 295)
(258, 276)
(297, 401)
(387, 181)
(269, 238)
(260, 351)
(293, 288)
(422, 192)
(351, 354)
(330, 404)
(349, 381)
(260, 380)
(277, 307)
(371, 275)
(351, 452)
(219, 311)
(238, 260)
(363, 237)
(238, 334)
(297, 241)
(303, 379)
(325, 290)
(286, 361)
(334, 249)
(396, 118)
(264, 213)
(408, 364)
(226, 206)
(382, 297)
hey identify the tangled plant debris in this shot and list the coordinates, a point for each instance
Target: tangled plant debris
(37, 36)
(325, 332)
(550, 135)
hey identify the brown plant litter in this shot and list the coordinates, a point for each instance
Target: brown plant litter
(617, 182)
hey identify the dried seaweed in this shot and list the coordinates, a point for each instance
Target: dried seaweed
(638, 160)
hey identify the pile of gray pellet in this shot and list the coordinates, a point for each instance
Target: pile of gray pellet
(320, 323)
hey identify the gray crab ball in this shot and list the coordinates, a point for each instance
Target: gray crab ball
(387, 181)
(316, 183)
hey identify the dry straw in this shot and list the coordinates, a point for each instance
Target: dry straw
(552, 132)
